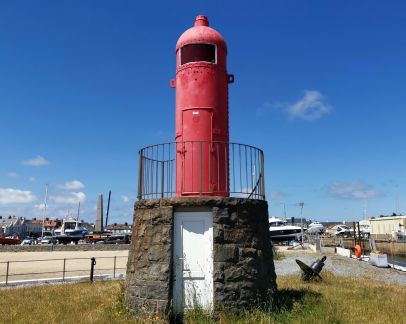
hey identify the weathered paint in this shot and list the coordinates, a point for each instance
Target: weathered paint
(202, 113)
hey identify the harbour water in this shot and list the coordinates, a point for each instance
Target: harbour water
(398, 260)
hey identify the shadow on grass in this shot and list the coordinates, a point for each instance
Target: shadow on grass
(285, 306)
(286, 299)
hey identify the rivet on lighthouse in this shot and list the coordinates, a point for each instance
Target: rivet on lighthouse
(200, 233)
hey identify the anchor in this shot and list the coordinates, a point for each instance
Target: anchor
(312, 272)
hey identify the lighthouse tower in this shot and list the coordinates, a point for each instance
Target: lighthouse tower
(200, 234)
(202, 112)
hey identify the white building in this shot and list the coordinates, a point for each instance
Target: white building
(383, 227)
(19, 226)
(119, 228)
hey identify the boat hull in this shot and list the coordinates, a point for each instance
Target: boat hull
(284, 235)
(9, 241)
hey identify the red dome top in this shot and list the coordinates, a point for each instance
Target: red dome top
(201, 33)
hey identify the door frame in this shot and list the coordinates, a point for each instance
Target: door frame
(178, 282)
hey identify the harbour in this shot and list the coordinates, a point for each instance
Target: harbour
(254, 151)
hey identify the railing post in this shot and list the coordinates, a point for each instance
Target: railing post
(200, 169)
(262, 175)
(8, 266)
(63, 270)
(92, 264)
(162, 178)
(114, 269)
(140, 179)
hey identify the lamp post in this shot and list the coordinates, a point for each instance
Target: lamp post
(301, 204)
(45, 210)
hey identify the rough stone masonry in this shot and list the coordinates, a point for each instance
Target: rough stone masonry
(244, 273)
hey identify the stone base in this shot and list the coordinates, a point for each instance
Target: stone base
(244, 273)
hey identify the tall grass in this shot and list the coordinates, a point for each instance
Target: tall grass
(334, 300)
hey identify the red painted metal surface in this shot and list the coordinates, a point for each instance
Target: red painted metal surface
(201, 112)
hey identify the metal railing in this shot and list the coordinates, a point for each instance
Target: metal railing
(10, 271)
(201, 168)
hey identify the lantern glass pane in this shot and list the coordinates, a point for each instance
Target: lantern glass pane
(198, 53)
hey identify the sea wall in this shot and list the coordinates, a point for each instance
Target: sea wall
(61, 247)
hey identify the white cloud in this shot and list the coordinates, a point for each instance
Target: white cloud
(16, 196)
(71, 185)
(31, 179)
(69, 198)
(39, 207)
(310, 107)
(352, 190)
(125, 199)
(38, 161)
(12, 174)
(276, 195)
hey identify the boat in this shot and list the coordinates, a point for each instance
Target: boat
(399, 235)
(280, 230)
(71, 230)
(315, 228)
(95, 237)
(343, 230)
(9, 240)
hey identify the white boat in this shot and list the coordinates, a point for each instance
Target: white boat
(399, 235)
(315, 228)
(343, 230)
(280, 231)
(71, 231)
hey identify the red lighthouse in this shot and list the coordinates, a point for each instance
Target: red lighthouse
(201, 203)
(202, 156)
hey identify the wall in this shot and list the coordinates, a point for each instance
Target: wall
(149, 266)
(244, 273)
(61, 247)
(385, 225)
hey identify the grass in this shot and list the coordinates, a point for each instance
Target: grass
(278, 255)
(334, 300)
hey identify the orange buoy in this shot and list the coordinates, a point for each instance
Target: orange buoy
(358, 251)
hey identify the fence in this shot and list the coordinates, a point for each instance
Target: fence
(201, 168)
(67, 268)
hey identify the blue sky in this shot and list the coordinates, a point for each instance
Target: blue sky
(320, 86)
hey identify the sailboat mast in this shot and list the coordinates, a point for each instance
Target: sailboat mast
(108, 208)
(78, 211)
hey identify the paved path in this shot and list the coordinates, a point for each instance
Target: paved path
(21, 263)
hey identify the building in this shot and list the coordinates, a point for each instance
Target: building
(19, 226)
(9, 225)
(119, 228)
(22, 227)
(50, 225)
(383, 227)
(32, 227)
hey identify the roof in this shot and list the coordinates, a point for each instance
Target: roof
(385, 218)
(201, 33)
(118, 226)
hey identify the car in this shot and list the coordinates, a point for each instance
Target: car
(48, 240)
(28, 241)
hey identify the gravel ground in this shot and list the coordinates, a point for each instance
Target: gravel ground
(338, 265)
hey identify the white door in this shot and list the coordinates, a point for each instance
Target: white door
(193, 260)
